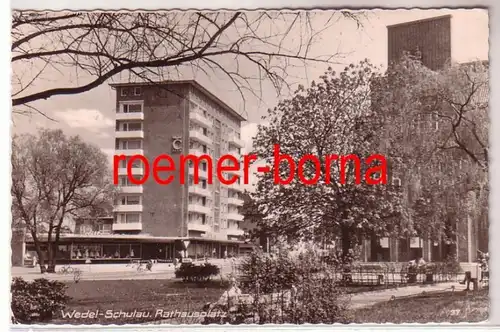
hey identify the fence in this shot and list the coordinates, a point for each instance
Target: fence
(388, 274)
(381, 275)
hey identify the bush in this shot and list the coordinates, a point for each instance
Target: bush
(261, 273)
(190, 272)
(284, 289)
(37, 301)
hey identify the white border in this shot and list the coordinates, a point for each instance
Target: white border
(228, 4)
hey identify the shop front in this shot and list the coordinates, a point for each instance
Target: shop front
(113, 249)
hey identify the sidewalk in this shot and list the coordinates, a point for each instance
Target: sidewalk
(367, 299)
(113, 271)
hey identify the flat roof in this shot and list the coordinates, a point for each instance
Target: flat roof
(193, 83)
(435, 18)
(139, 237)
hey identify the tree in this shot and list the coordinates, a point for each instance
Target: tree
(333, 117)
(453, 101)
(436, 125)
(154, 46)
(55, 177)
(252, 220)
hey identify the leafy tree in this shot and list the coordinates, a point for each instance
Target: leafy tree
(436, 126)
(55, 177)
(333, 117)
(157, 46)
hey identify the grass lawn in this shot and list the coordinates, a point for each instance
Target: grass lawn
(143, 301)
(429, 308)
(110, 297)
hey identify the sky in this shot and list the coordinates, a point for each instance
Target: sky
(91, 114)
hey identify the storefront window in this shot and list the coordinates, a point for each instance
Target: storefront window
(63, 252)
(125, 250)
(135, 251)
(111, 251)
(85, 251)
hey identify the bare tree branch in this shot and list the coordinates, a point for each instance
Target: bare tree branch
(98, 46)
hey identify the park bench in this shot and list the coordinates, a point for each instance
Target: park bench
(373, 274)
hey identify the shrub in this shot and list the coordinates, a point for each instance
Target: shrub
(261, 273)
(190, 272)
(284, 289)
(37, 301)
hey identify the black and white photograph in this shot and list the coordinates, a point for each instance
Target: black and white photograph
(250, 167)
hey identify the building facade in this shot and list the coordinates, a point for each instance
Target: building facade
(151, 220)
(178, 118)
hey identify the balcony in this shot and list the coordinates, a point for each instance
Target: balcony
(201, 173)
(198, 136)
(236, 155)
(197, 152)
(235, 187)
(234, 216)
(131, 226)
(128, 208)
(198, 208)
(235, 201)
(200, 119)
(227, 173)
(131, 189)
(235, 231)
(198, 190)
(234, 140)
(194, 226)
(130, 116)
(129, 134)
(135, 171)
(129, 152)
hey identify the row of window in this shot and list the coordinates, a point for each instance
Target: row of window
(127, 218)
(208, 220)
(138, 107)
(216, 113)
(431, 123)
(131, 91)
(130, 200)
(131, 107)
(128, 126)
(128, 144)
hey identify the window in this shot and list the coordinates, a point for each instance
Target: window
(131, 126)
(134, 144)
(135, 126)
(125, 182)
(135, 164)
(104, 228)
(128, 145)
(396, 182)
(124, 92)
(434, 121)
(132, 218)
(137, 91)
(131, 200)
(131, 108)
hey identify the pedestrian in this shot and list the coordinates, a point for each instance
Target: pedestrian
(213, 253)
